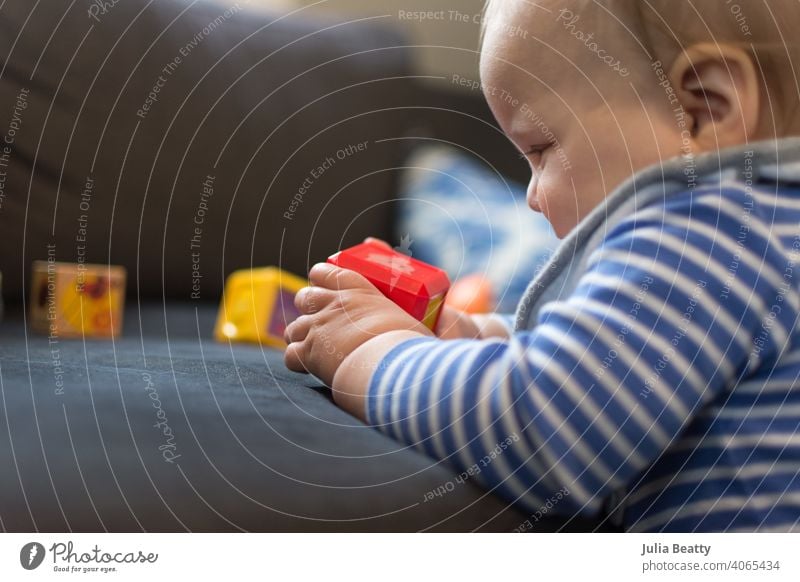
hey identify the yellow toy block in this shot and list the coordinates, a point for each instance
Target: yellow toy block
(77, 299)
(257, 305)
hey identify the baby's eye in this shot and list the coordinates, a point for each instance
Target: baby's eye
(536, 151)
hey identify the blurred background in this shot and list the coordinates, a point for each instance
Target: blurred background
(131, 107)
(443, 45)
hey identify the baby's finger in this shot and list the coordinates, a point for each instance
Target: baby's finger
(312, 299)
(293, 357)
(298, 329)
(335, 278)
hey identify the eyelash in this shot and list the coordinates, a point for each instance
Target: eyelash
(537, 149)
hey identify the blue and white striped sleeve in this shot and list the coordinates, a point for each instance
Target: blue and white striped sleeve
(658, 325)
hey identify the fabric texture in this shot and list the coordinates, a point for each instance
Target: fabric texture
(164, 429)
(652, 376)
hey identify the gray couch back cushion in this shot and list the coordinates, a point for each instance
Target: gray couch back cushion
(187, 139)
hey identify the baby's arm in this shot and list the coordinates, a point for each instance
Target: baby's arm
(606, 381)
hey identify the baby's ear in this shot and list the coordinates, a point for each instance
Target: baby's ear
(719, 88)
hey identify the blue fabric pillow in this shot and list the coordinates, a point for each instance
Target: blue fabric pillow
(459, 214)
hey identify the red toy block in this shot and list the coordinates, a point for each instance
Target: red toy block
(415, 286)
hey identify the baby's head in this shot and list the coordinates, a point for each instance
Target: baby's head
(594, 90)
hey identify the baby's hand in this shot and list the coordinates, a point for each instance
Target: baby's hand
(455, 324)
(341, 311)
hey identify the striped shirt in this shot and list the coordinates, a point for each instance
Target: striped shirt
(660, 388)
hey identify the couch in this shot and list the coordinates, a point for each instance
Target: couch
(184, 140)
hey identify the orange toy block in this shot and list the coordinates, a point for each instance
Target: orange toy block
(471, 294)
(77, 299)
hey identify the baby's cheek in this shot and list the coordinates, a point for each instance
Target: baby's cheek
(555, 186)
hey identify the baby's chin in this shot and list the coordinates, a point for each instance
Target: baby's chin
(562, 230)
(562, 220)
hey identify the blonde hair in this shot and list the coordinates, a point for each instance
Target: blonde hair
(662, 29)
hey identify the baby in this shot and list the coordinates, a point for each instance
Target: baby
(648, 378)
